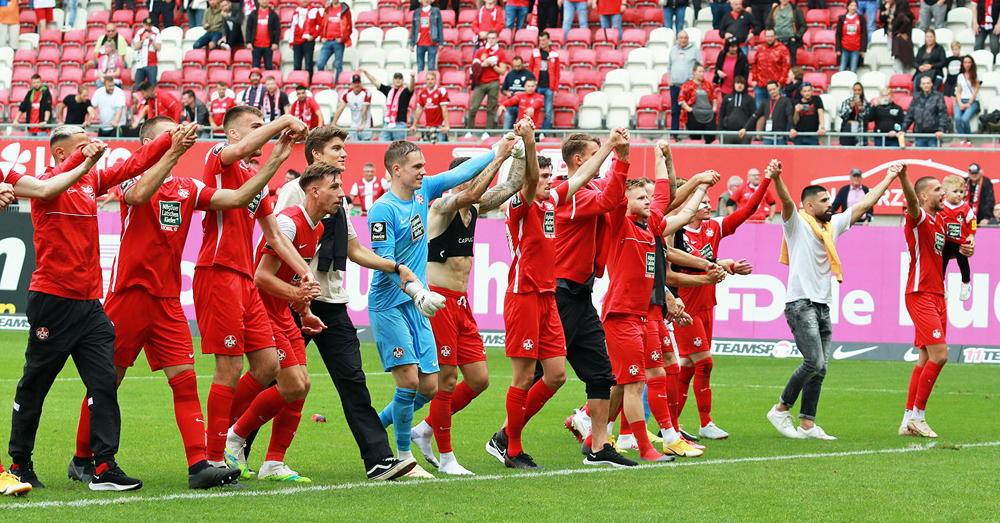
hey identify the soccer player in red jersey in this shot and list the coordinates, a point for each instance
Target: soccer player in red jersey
(924, 295)
(14, 185)
(959, 223)
(231, 316)
(64, 310)
(305, 108)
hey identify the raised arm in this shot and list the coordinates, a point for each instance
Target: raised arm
(48, 188)
(614, 191)
(453, 202)
(141, 160)
(260, 136)
(224, 199)
(912, 202)
(181, 139)
(744, 212)
(672, 224)
(689, 187)
(495, 197)
(773, 173)
(440, 183)
(372, 79)
(859, 210)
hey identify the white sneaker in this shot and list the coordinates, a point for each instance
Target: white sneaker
(782, 421)
(485, 136)
(422, 436)
(419, 473)
(816, 432)
(582, 422)
(710, 431)
(627, 442)
(965, 293)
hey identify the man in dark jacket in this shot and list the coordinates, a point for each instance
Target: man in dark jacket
(196, 112)
(928, 114)
(789, 25)
(736, 110)
(426, 34)
(263, 34)
(930, 61)
(513, 83)
(979, 193)
(36, 107)
(888, 117)
(851, 194)
(775, 113)
(737, 23)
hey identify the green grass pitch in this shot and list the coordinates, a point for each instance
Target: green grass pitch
(869, 474)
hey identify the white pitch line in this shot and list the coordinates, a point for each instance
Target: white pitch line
(489, 477)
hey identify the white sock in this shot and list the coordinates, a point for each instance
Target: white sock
(423, 429)
(918, 415)
(231, 436)
(268, 466)
(906, 417)
(669, 436)
(405, 455)
(218, 464)
(447, 457)
(611, 428)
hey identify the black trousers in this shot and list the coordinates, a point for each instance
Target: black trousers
(548, 14)
(951, 252)
(120, 4)
(162, 11)
(759, 13)
(695, 125)
(586, 348)
(304, 51)
(60, 328)
(340, 349)
(263, 52)
(792, 43)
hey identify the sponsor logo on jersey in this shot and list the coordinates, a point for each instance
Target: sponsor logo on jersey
(654, 355)
(170, 215)
(938, 242)
(379, 233)
(416, 228)
(255, 204)
(183, 193)
(650, 264)
(397, 352)
(955, 230)
(446, 351)
(936, 334)
(710, 233)
(124, 186)
(420, 199)
(549, 224)
(516, 202)
(707, 252)
(42, 333)
(697, 342)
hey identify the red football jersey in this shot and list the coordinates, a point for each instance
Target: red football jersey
(10, 176)
(153, 236)
(743, 194)
(958, 221)
(306, 111)
(432, 101)
(524, 102)
(925, 239)
(531, 234)
(67, 248)
(295, 224)
(228, 235)
(632, 260)
(704, 243)
(219, 108)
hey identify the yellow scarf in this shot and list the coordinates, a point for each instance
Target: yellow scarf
(823, 232)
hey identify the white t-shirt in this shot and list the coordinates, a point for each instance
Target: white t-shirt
(356, 102)
(809, 271)
(107, 104)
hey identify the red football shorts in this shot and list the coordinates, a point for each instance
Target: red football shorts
(456, 331)
(534, 329)
(44, 13)
(626, 336)
(231, 316)
(696, 337)
(930, 317)
(657, 337)
(145, 321)
(288, 340)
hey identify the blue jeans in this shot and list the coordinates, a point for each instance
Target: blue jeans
(813, 331)
(675, 108)
(392, 132)
(548, 94)
(213, 36)
(516, 17)
(509, 117)
(719, 10)
(580, 8)
(70, 6)
(849, 60)
(806, 140)
(355, 136)
(760, 94)
(674, 17)
(886, 142)
(426, 55)
(926, 142)
(962, 118)
(775, 140)
(612, 21)
(332, 48)
(195, 17)
(145, 73)
(869, 8)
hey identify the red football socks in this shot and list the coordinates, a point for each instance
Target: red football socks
(516, 399)
(83, 432)
(927, 378)
(220, 402)
(462, 396)
(264, 408)
(187, 411)
(656, 395)
(703, 389)
(440, 419)
(538, 395)
(683, 384)
(247, 389)
(646, 449)
(626, 426)
(673, 371)
(911, 393)
(286, 422)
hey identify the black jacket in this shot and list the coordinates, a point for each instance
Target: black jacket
(44, 105)
(927, 113)
(740, 27)
(886, 117)
(986, 198)
(199, 115)
(981, 12)
(273, 26)
(742, 64)
(735, 110)
(781, 119)
(936, 58)
(840, 201)
(798, 19)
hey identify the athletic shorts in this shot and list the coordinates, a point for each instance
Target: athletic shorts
(657, 338)
(231, 317)
(455, 330)
(44, 13)
(145, 321)
(404, 337)
(626, 335)
(930, 317)
(696, 337)
(533, 327)
(288, 340)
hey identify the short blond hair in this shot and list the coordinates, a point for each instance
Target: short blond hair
(953, 182)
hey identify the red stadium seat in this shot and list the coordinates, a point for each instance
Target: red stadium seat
(579, 38)
(450, 56)
(170, 79)
(709, 57)
(194, 78)
(76, 38)
(345, 78)
(220, 57)
(195, 58)
(818, 81)
(903, 100)
(123, 17)
(49, 74)
(243, 56)
(366, 19)
(448, 17)
(826, 58)
(391, 18)
(712, 40)
(28, 20)
(450, 37)
(219, 75)
(609, 59)
(48, 55)
(566, 80)
(583, 58)
(98, 19)
(586, 78)
(285, 14)
(70, 75)
(652, 17)
(564, 109)
(665, 82)
(825, 39)
(901, 83)
(465, 36)
(557, 37)
(73, 56)
(524, 53)
(631, 18)
(297, 77)
(527, 38)
(93, 33)
(141, 13)
(466, 17)
(807, 59)
(818, 18)
(323, 80)
(606, 39)
(276, 74)
(25, 57)
(634, 38)
(50, 38)
(454, 80)
(647, 114)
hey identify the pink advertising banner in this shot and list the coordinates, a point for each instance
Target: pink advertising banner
(868, 306)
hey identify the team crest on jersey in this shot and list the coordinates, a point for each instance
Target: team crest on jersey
(549, 224)
(42, 333)
(666, 341)
(516, 201)
(650, 264)
(170, 215)
(446, 351)
(281, 354)
(707, 251)
(183, 193)
(938, 242)
(528, 345)
(710, 233)
(955, 229)
(936, 334)
(633, 370)
(397, 352)
(420, 199)
(379, 233)
(654, 355)
(255, 204)
(697, 342)
(87, 189)
(416, 228)
(229, 341)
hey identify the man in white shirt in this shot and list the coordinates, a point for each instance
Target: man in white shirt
(809, 250)
(110, 105)
(368, 189)
(147, 43)
(359, 100)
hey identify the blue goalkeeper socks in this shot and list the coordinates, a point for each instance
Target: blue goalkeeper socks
(419, 401)
(386, 415)
(402, 417)
(645, 402)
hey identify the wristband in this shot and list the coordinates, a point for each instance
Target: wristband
(395, 269)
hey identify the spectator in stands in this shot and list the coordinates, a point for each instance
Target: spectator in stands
(854, 113)
(683, 58)
(852, 37)
(36, 107)
(232, 26)
(305, 30)
(427, 33)
(212, 23)
(736, 110)
(110, 33)
(966, 97)
(264, 26)
(162, 12)
(742, 195)
(699, 103)
(851, 194)
(195, 12)
(221, 102)
(359, 100)
(726, 205)
(772, 115)
(147, 44)
(109, 102)
(928, 114)
(488, 64)
(514, 83)
(793, 89)
(673, 14)
(275, 101)
(110, 64)
(984, 25)
(720, 9)
(888, 118)
(306, 109)
(868, 9)
(809, 117)
(789, 24)
(992, 221)
(253, 95)
(489, 18)
(545, 66)
(43, 10)
(121, 4)
(516, 14)
(365, 191)
(79, 111)
(10, 25)
(732, 62)
(759, 10)
(930, 61)
(901, 37)
(335, 33)
(979, 193)
(529, 104)
(547, 14)
(772, 64)
(738, 23)
(196, 112)
(932, 9)
(611, 14)
(158, 102)
(952, 67)
(580, 9)
(432, 102)
(397, 105)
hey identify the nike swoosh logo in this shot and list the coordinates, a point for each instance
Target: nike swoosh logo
(199, 420)
(302, 246)
(404, 220)
(191, 355)
(911, 355)
(841, 354)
